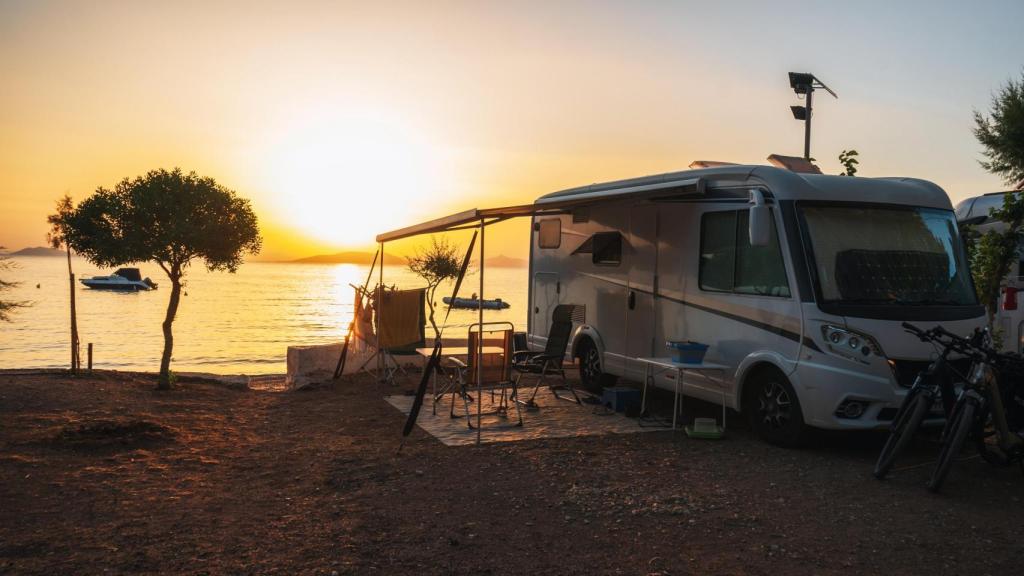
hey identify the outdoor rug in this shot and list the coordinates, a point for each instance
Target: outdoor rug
(553, 419)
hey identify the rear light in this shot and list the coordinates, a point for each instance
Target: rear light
(1009, 298)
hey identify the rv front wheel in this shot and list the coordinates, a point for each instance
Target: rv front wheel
(592, 375)
(773, 409)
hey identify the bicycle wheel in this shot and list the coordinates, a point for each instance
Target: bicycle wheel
(960, 424)
(986, 439)
(903, 430)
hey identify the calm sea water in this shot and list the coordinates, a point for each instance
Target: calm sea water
(237, 323)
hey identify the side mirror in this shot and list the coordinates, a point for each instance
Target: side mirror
(760, 220)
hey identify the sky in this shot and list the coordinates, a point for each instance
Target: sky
(340, 120)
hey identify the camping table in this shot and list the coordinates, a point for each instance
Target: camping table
(654, 366)
(449, 352)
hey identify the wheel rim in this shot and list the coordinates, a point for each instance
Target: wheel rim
(591, 364)
(775, 405)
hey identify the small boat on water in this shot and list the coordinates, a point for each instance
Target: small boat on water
(496, 304)
(127, 279)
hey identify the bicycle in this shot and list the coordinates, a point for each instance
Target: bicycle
(935, 382)
(990, 410)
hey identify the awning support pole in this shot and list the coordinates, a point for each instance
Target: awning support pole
(382, 362)
(480, 338)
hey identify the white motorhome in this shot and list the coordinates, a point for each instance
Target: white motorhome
(798, 282)
(1009, 319)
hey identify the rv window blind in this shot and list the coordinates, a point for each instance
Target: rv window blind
(549, 234)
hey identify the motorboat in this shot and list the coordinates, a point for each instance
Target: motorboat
(127, 279)
(474, 303)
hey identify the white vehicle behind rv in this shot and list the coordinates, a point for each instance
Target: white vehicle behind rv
(1009, 319)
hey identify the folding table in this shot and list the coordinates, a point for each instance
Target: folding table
(654, 366)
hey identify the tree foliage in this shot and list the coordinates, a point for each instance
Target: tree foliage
(1002, 133)
(435, 264)
(993, 253)
(170, 218)
(7, 306)
(848, 158)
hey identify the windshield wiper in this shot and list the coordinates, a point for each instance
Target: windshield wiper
(931, 302)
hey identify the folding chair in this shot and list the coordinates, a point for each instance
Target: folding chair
(548, 362)
(496, 368)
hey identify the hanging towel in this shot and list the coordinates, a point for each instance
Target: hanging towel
(402, 318)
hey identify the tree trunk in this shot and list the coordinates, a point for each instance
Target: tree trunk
(430, 304)
(164, 382)
(76, 359)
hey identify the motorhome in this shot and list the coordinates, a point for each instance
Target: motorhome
(798, 282)
(1009, 317)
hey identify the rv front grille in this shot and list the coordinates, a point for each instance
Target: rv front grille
(906, 371)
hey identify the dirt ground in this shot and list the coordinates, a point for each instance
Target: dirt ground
(104, 475)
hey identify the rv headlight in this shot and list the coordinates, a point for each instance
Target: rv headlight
(844, 342)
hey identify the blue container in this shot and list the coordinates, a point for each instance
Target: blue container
(619, 398)
(687, 351)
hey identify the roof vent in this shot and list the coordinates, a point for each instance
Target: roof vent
(794, 164)
(710, 164)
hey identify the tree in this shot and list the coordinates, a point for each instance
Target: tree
(1002, 133)
(56, 237)
(439, 262)
(848, 158)
(170, 218)
(7, 306)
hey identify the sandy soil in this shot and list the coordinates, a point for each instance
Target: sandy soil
(106, 475)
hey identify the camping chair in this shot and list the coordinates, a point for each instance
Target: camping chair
(497, 373)
(399, 322)
(548, 362)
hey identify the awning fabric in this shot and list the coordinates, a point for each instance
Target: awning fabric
(552, 204)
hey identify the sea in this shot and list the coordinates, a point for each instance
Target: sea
(241, 323)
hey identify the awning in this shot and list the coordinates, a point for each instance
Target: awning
(557, 203)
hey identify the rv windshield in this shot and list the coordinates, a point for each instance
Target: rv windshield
(887, 255)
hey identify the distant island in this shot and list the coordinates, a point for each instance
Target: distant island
(347, 258)
(36, 251)
(502, 261)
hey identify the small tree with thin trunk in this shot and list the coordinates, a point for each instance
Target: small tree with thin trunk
(170, 218)
(1001, 134)
(56, 237)
(435, 264)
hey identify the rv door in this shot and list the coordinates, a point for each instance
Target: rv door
(546, 289)
(640, 258)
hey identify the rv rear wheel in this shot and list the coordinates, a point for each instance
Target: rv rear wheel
(773, 409)
(592, 375)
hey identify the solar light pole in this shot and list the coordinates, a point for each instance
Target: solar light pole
(805, 83)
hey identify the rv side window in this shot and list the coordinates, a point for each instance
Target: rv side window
(728, 263)
(607, 248)
(549, 233)
(717, 251)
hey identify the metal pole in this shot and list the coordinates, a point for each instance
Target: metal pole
(480, 339)
(75, 361)
(90, 357)
(807, 124)
(382, 363)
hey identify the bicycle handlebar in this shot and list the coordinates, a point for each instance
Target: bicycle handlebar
(937, 335)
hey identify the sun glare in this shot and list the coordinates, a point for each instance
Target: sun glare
(342, 180)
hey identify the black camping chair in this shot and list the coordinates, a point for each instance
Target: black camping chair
(541, 364)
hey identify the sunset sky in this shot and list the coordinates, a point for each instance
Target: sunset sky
(342, 120)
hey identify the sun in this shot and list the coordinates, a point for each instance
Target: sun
(341, 180)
